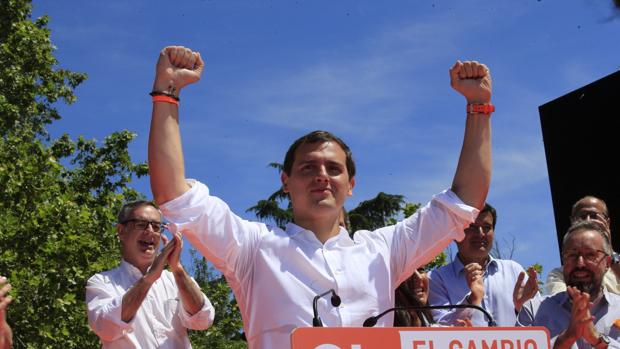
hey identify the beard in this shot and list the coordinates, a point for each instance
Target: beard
(584, 286)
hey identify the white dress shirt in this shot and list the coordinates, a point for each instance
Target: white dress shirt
(275, 274)
(160, 322)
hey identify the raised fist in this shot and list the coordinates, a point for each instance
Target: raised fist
(473, 80)
(177, 67)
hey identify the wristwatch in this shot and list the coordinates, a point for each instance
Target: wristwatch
(603, 342)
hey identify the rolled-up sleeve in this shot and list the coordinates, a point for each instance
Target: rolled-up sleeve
(425, 234)
(104, 310)
(202, 319)
(225, 239)
(526, 315)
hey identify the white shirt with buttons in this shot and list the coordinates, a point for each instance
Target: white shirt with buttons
(161, 320)
(275, 273)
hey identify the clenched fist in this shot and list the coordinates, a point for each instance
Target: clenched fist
(473, 80)
(177, 67)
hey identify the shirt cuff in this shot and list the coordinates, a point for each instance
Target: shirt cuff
(465, 214)
(112, 314)
(202, 319)
(180, 209)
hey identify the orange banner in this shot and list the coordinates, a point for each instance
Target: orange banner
(421, 338)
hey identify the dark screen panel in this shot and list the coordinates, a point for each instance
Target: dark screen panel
(581, 134)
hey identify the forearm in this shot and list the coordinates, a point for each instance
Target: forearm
(453, 317)
(132, 300)
(165, 155)
(475, 297)
(190, 293)
(564, 341)
(473, 173)
(438, 296)
(6, 336)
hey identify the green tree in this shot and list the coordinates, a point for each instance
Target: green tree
(59, 197)
(225, 333)
(29, 78)
(377, 212)
(271, 209)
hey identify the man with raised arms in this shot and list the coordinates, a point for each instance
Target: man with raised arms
(275, 273)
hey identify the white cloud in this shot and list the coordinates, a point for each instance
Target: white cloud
(518, 166)
(364, 91)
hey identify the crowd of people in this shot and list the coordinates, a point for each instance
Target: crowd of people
(581, 306)
(150, 301)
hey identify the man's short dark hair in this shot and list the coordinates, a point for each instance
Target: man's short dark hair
(126, 212)
(589, 225)
(317, 137)
(491, 210)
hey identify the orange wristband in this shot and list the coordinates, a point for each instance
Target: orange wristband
(165, 99)
(480, 108)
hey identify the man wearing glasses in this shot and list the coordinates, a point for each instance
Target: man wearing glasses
(139, 304)
(588, 208)
(475, 277)
(586, 314)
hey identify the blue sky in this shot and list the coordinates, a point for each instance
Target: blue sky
(375, 73)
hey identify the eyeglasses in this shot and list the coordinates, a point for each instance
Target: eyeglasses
(141, 224)
(589, 256)
(473, 228)
(586, 216)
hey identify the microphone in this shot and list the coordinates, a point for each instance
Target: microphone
(371, 321)
(335, 299)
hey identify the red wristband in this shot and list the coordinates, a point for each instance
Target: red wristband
(487, 108)
(165, 99)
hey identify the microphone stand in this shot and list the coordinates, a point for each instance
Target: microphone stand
(335, 300)
(372, 321)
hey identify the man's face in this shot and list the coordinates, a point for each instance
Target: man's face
(478, 239)
(319, 182)
(590, 209)
(140, 244)
(585, 260)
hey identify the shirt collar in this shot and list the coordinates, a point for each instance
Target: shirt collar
(565, 300)
(342, 239)
(605, 299)
(130, 269)
(458, 266)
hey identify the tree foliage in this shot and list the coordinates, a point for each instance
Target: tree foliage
(60, 196)
(30, 80)
(271, 209)
(225, 333)
(377, 212)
